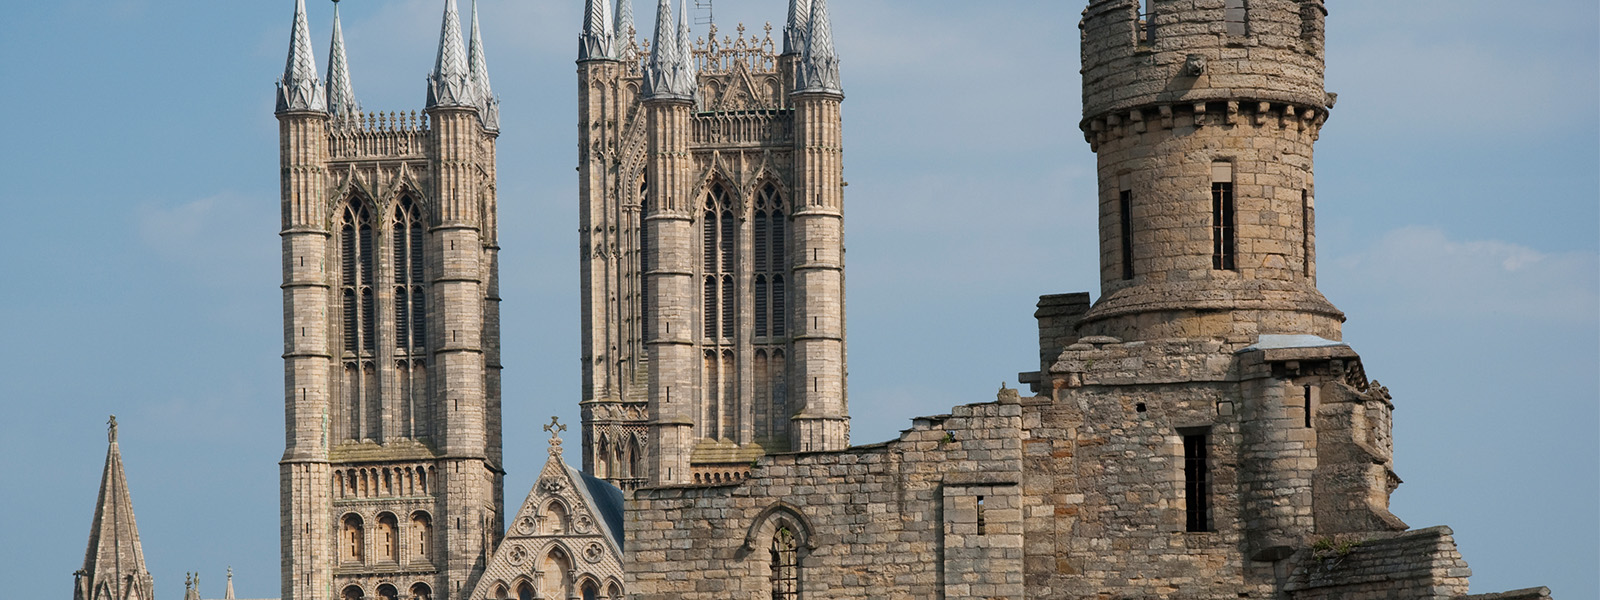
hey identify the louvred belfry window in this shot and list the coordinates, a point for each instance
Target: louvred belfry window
(356, 270)
(769, 263)
(720, 235)
(410, 302)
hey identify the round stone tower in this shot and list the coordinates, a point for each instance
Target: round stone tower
(1203, 115)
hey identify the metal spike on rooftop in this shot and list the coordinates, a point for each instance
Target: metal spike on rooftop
(663, 72)
(488, 105)
(451, 83)
(819, 67)
(598, 41)
(300, 89)
(794, 30)
(341, 94)
(623, 36)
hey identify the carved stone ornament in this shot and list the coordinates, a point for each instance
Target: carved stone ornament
(518, 555)
(594, 552)
(526, 526)
(553, 485)
(583, 524)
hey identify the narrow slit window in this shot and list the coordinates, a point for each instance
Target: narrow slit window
(1196, 483)
(1125, 210)
(1308, 222)
(982, 520)
(1223, 253)
(1237, 16)
(761, 305)
(710, 311)
(1147, 21)
(644, 261)
(728, 320)
(780, 314)
(1308, 407)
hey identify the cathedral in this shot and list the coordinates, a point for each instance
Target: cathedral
(1198, 431)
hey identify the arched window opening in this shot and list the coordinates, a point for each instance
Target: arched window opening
(356, 261)
(410, 312)
(388, 538)
(709, 394)
(554, 521)
(525, 591)
(557, 570)
(591, 590)
(352, 593)
(387, 592)
(636, 460)
(614, 591)
(352, 540)
(720, 236)
(785, 565)
(501, 593)
(421, 536)
(602, 459)
(421, 591)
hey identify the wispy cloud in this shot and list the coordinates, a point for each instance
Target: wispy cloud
(1419, 272)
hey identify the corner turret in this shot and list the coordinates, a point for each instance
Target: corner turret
(598, 41)
(450, 84)
(664, 73)
(819, 66)
(478, 66)
(341, 95)
(300, 90)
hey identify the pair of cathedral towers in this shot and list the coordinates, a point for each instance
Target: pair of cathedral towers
(713, 287)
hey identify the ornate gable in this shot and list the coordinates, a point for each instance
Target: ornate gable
(565, 538)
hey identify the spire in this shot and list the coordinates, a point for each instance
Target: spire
(191, 592)
(299, 88)
(450, 84)
(598, 41)
(228, 595)
(488, 105)
(689, 73)
(114, 563)
(819, 67)
(341, 95)
(794, 31)
(664, 72)
(623, 36)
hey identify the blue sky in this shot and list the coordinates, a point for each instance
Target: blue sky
(1459, 204)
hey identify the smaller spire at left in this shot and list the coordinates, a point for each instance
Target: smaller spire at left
(341, 94)
(300, 89)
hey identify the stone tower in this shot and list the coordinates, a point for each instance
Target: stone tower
(1203, 120)
(391, 480)
(113, 566)
(711, 220)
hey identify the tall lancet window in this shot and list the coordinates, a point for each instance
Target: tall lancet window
(410, 304)
(769, 263)
(785, 565)
(408, 237)
(721, 234)
(357, 256)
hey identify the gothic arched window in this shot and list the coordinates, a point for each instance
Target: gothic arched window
(356, 255)
(352, 539)
(720, 234)
(785, 574)
(410, 294)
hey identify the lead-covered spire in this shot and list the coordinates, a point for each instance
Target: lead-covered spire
(451, 83)
(488, 105)
(341, 95)
(819, 67)
(664, 74)
(598, 41)
(794, 31)
(300, 89)
(623, 36)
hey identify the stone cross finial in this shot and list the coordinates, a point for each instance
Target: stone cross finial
(111, 431)
(555, 428)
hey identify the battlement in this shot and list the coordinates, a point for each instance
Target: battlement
(378, 135)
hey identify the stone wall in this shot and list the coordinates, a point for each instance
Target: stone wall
(1421, 564)
(894, 520)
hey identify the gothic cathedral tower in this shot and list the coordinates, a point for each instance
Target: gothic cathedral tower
(711, 221)
(391, 481)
